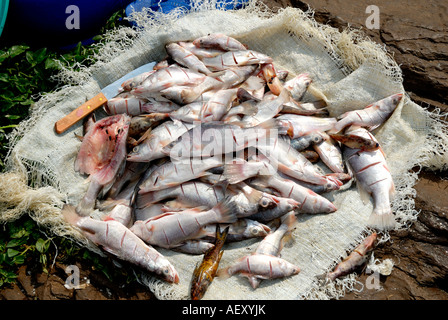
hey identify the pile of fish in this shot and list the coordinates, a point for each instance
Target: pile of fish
(217, 136)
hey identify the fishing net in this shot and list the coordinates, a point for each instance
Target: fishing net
(350, 69)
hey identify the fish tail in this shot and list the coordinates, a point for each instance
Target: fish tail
(223, 273)
(237, 172)
(225, 211)
(221, 236)
(382, 219)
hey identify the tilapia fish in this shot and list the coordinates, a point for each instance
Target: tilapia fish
(101, 155)
(356, 258)
(118, 240)
(152, 146)
(373, 179)
(219, 41)
(371, 116)
(205, 272)
(260, 266)
(171, 229)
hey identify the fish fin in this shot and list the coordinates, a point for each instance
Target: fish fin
(317, 93)
(239, 171)
(221, 236)
(254, 281)
(223, 273)
(225, 210)
(382, 219)
(79, 137)
(365, 196)
(69, 214)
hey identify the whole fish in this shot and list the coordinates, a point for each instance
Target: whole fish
(186, 58)
(161, 79)
(130, 84)
(219, 41)
(236, 58)
(200, 52)
(260, 266)
(296, 126)
(102, 154)
(134, 106)
(161, 136)
(356, 258)
(356, 142)
(265, 176)
(174, 173)
(224, 79)
(194, 193)
(118, 240)
(217, 138)
(373, 179)
(171, 229)
(371, 116)
(205, 272)
(292, 163)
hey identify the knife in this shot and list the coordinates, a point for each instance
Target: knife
(99, 100)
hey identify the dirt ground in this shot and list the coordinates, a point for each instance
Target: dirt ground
(416, 33)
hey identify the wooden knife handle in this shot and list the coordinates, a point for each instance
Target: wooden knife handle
(79, 113)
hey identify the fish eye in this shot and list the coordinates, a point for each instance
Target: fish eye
(264, 202)
(255, 231)
(135, 149)
(166, 271)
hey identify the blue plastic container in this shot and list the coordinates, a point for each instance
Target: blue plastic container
(166, 6)
(50, 22)
(3, 13)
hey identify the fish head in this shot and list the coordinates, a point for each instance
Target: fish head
(396, 98)
(198, 288)
(256, 229)
(368, 243)
(290, 204)
(267, 201)
(169, 273)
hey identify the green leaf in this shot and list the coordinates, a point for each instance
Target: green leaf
(30, 58)
(16, 50)
(51, 64)
(42, 245)
(40, 55)
(4, 77)
(14, 243)
(19, 259)
(12, 252)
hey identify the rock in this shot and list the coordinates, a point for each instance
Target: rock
(417, 39)
(25, 282)
(53, 289)
(12, 292)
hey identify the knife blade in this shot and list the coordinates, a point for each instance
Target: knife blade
(99, 100)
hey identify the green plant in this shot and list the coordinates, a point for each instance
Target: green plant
(26, 72)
